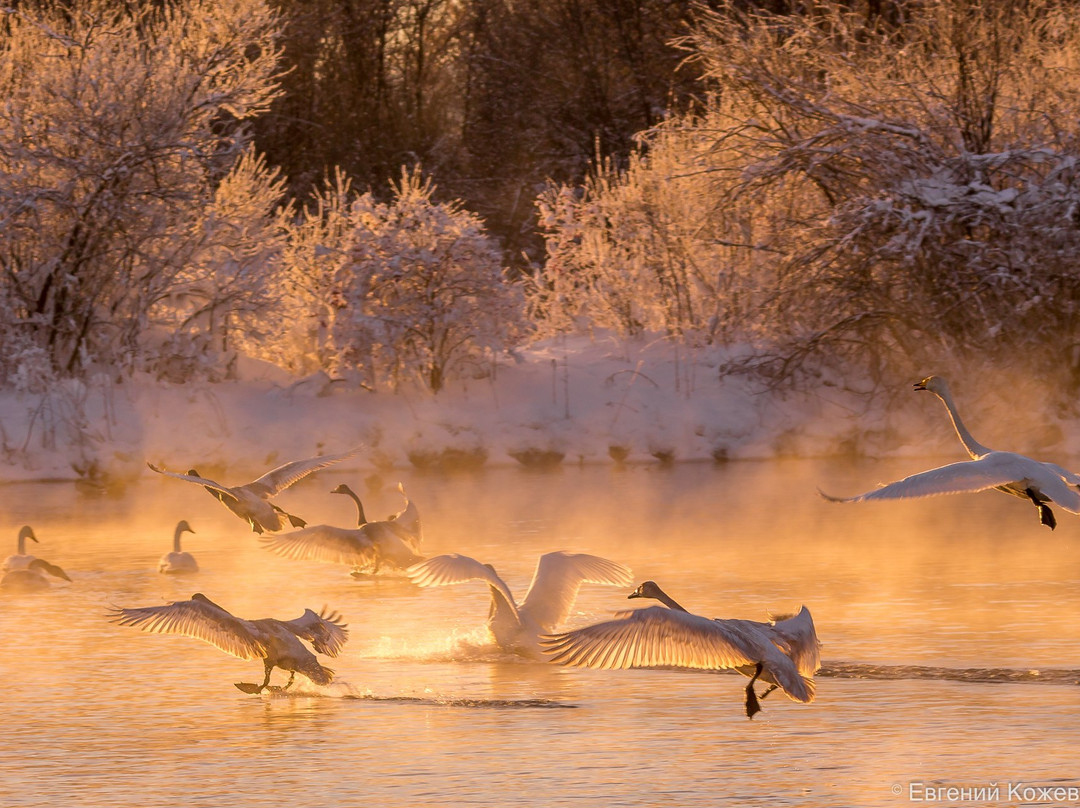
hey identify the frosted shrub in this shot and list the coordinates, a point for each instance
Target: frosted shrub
(860, 194)
(120, 125)
(410, 288)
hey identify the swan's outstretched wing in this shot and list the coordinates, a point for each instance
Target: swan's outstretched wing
(558, 578)
(662, 637)
(406, 522)
(803, 646)
(325, 631)
(652, 637)
(326, 543)
(452, 568)
(194, 478)
(198, 618)
(991, 471)
(277, 480)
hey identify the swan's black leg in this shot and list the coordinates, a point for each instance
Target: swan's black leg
(752, 706)
(1046, 516)
(292, 675)
(767, 691)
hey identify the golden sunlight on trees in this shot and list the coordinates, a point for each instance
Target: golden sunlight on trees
(117, 126)
(853, 194)
(410, 288)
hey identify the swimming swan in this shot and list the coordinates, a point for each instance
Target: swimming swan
(369, 545)
(178, 562)
(785, 653)
(21, 560)
(251, 502)
(31, 579)
(550, 598)
(276, 642)
(1015, 474)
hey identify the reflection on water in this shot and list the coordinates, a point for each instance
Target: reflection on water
(949, 629)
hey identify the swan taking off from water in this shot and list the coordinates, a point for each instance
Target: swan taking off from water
(21, 560)
(548, 602)
(276, 642)
(785, 653)
(390, 542)
(178, 562)
(31, 578)
(251, 502)
(1015, 474)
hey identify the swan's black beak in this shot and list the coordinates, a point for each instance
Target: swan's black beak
(635, 594)
(919, 385)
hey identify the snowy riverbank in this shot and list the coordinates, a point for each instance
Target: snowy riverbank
(577, 400)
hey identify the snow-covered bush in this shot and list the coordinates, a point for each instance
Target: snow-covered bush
(403, 289)
(870, 194)
(121, 135)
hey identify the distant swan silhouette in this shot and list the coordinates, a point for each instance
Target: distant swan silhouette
(370, 545)
(547, 604)
(21, 560)
(1015, 474)
(31, 579)
(178, 562)
(251, 502)
(276, 642)
(784, 653)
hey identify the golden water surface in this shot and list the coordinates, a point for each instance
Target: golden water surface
(950, 630)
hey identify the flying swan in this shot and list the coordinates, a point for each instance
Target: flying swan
(1015, 474)
(21, 560)
(785, 653)
(251, 502)
(276, 642)
(555, 584)
(390, 542)
(178, 562)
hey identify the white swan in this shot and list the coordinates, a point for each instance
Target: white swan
(21, 560)
(178, 562)
(785, 652)
(31, 578)
(1012, 473)
(251, 502)
(548, 602)
(370, 545)
(276, 642)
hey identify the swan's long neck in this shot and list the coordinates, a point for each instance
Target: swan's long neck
(176, 540)
(974, 448)
(667, 600)
(361, 518)
(24, 534)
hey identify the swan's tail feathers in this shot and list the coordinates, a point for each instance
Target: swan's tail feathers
(798, 633)
(804, 691)
(319, 674)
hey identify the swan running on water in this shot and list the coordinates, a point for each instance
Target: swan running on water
(391, 542)
(555, 584)
(178, 562)
(785, 653)
(251, 502)
(1015, 474)
(276, 642)
(21, 560)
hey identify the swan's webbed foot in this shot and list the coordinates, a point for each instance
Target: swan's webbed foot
(1046, 516)
(296, 521)
(752, 705)
(255, 527)
(248, 687)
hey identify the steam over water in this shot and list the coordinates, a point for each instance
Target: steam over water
(950, 628)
